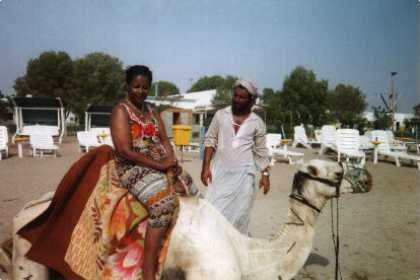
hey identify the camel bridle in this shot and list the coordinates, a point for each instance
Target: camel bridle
(327, 182)
(303, 200)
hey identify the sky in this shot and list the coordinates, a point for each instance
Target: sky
(355, 42)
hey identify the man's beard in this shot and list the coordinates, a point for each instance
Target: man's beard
(241, 109)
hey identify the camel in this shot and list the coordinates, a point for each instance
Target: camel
(204, 245)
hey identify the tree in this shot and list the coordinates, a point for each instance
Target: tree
(275, 116)
(417, 110)
(303, 98)
(383, 118)
(347, 104)
(6, 106)
(164, 88)
(206, 83)
(223, 96)
(21, 87)
(48, 75)
(98, 79)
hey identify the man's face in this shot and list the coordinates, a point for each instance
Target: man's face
(241, 100)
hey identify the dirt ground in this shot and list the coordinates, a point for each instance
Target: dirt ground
(379, 231)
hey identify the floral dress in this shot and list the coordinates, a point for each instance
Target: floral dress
(148, 185)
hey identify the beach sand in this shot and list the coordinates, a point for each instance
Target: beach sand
(379, 231)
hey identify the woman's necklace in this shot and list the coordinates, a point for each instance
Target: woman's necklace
(140, 111)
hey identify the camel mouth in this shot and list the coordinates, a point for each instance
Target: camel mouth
(360, 180)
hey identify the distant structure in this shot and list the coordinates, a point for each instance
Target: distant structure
(397, 120)
(38, 111)
(97, 116)
(189, 108)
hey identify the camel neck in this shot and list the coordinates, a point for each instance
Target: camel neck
(287, 252)
(301, 214)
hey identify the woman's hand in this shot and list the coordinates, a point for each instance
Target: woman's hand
(167, 163)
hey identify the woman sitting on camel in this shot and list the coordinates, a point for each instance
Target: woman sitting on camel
(143, 155)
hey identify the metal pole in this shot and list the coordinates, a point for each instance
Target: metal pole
(391, 101)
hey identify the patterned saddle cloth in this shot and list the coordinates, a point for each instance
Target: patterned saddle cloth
(97, 227)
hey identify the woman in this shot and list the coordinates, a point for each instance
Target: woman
(143, 155)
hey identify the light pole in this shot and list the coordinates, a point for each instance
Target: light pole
(392, 98)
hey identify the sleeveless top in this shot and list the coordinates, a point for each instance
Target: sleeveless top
(145, 137)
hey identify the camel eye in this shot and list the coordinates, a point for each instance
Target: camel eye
(337, 174)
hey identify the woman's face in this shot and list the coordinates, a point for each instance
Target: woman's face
(139, 88)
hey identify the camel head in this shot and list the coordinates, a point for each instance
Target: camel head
(321, 178)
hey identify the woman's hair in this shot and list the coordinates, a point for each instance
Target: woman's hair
(136, 70)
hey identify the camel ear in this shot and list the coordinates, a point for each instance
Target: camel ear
(309, 169)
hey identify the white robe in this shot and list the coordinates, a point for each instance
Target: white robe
(234, 166)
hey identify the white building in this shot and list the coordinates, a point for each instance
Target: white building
(188, 108)
(398, 118)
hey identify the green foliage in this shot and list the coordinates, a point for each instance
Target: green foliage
(164, 89)
(48, 75)
(305, 97)
(275, 117)
(223, 97)
(98, 79)
(206, 83)
(6, 105)
(21, 87)
(347, 104)
(383, 118)
(222, 85)
(417, 110)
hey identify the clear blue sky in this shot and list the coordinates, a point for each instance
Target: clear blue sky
(354, 41)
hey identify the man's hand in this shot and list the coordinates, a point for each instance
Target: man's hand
(265, 184)
(206, 176)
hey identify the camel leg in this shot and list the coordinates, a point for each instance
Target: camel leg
(152, 245)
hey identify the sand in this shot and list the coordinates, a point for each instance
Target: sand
(379, 231)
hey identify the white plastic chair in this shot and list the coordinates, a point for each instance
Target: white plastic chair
(365, 143)
(300, 137)
(42, 129)
(42, 143)
(87, 139)
(384, 149)
(394, 144)
(273, 142)
(100, 130)
(328, 138)
(103, 135)
(4, 142)
(348, 145)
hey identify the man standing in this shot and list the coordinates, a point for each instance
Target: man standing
(235, 146)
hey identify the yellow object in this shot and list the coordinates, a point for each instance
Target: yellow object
(182, 134)
(286, 141)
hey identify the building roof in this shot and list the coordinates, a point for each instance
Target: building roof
(196, 101)
(37, 102)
